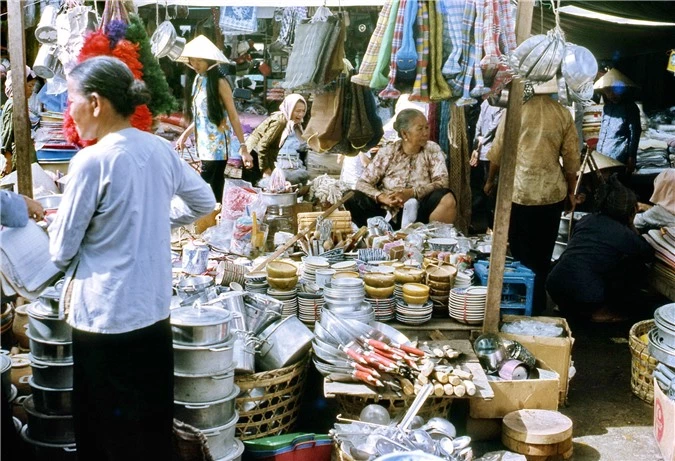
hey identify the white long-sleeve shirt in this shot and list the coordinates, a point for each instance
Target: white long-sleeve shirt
(112, 233)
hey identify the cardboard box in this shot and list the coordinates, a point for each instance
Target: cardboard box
(541, 393)
(555, 352)
(664, 423)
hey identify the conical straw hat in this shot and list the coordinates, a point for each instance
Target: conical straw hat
(603, 162)
(202, 48)
(613, 78)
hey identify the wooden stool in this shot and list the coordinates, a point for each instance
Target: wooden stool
(540, 435)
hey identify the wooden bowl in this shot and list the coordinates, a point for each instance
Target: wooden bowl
(415, 289)
(442, 286)
(283, 283)
(281, 269)
(441, 273)
(379, 280)
(416, 300)
(379, 293)
(409, 275)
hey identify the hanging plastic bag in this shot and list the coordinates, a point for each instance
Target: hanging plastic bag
(237, 195)
(277, 183)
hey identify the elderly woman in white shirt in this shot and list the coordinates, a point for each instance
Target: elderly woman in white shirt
(111, 236)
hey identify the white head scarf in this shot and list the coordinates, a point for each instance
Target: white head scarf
(30, 75)
(286, 108)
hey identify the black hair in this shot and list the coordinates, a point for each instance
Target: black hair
(404, 118)
(214, 105)
(615, 200)
(112, 79)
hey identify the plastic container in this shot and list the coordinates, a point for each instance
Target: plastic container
(290, 447)
(517, 290)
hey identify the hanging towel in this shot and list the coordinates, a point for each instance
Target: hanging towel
(444, 122)
(489, 64)
(438, 87)
(479, 89)
(459, 169)
(390, 92)
(421, 87)
(370, 58)
(507, 43)
(379, 79)
(453, 13)
(235, 20)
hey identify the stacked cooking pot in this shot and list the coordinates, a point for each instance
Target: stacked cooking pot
(50, 429)
(662, 336)
(204, 389)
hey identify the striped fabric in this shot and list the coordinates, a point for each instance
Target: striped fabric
(390, 92)
(453, 14)
(491, 56)
(462, 82)
(369, 61)
(438, 87)
(421, 87)
(379, 79)
(507, 27)
(479, 89)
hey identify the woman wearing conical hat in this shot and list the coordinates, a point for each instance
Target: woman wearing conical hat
(216, 125)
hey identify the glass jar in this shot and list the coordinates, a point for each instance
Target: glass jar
(278, 219)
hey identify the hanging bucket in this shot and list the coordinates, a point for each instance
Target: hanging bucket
(45, 32)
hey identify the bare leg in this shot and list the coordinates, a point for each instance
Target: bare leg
(446, 211)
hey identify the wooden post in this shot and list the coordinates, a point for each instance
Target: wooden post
(505, 188)
(22, 139)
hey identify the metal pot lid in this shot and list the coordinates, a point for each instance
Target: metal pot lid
(50, 294)
(5, 363)
(199, 316)
(211, 347)
(665, 316)
(40, 311)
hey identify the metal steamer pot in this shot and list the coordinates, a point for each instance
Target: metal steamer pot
(51, 351)
(286, 199)
(54, 375)
(49, 428)
(283, 343)
(49, 300)
(203, 359)
(200, 326)
(236, 454)
(207, 415)
(50, 451)
(222, 442)
(47, 327)
(52, 401)
(194, 388)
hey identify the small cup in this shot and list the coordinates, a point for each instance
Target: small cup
(324, 276)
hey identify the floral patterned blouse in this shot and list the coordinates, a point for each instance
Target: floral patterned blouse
(212, 143)
(393, 170)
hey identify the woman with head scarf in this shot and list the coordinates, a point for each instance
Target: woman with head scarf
(216, 124)
(277, 141)
(603, 259)
(112, 238)
(7, 132)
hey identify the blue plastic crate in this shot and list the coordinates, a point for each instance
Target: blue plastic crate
(517, 289)
(55, 155)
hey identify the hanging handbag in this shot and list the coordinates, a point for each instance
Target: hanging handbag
(406, 57)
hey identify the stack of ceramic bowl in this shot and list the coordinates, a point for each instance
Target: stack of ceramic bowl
(49, 409)
(310, 266)
(440, 280)
(283, 279)
(204, 367)
(463, 279)
(467, 305)
(309, 307)
(379, 293)
(415, 307)
(351, 255)
(403, 275)
(288, 297)
(256, 282)
(345, 298)
(345, 267)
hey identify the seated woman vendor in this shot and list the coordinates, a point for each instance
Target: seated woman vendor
(410, 169)
(277, 141)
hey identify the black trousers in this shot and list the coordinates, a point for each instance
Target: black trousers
(213, 172)
(123, 394)
(532, 234)
(482, 206)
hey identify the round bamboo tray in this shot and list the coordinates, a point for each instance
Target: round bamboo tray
(642, 363)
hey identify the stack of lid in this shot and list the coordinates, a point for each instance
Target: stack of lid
(256, 282)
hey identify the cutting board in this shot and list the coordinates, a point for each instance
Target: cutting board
(540, 435)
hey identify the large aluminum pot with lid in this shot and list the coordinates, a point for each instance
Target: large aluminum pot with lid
(198, 287)
(283, 343)
(51, 351)
(213, 359)
(50, 451)
(207, 414)
(55, 375)
(200, 326)
(49, 428)
(194, 388)
(49, 300)
(51, 401)
(47, 326)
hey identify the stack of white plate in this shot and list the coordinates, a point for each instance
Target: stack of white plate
(344, 266)
(309, 307)
(463, 279)
(398, 291)
(467, 305)
(256, 282)
(288, 297)
(411, 314)
(384, 308)
(311, 264)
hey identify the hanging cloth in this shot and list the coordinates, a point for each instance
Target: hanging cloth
(459, 169)
(377, 42)
(325, 127)
(406, 58)
(360, 131)
(421, 87)
(311, 41)
(390, 92)
(438, 87)
(489, 64)
(379, 79)
(506, 43)
(333, 55)
(235, 20)
(453, 13)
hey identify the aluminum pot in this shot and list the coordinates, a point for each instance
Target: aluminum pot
(52, 401)
(46, 32)
(6, 374)
(48, 428)
(200, 326)
(48, 327)
(283, 343)
(176, 49)
(200, 360)
(287, 199)
(49, 299)
(233, 301)
(191, 286)
(45, 61)
(236, 454)
(193, 388)
(50, 451)
(51, 351)
(244, 352)
(54, 375)
(222, 441)
(208, 414)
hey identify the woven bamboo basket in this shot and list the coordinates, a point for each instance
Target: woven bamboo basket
(351, 405)
(642, 363)
(276, 411)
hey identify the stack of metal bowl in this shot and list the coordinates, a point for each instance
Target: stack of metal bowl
(662, 336)
(345, 298)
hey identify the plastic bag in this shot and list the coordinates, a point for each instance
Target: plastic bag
(237, 195)
(220, 235)
(277, 182)
(241, 236)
